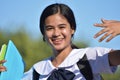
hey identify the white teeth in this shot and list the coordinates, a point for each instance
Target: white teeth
(57, 39)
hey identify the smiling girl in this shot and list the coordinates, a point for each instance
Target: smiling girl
(58, 25)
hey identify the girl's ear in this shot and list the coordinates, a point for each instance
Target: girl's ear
(73, 31)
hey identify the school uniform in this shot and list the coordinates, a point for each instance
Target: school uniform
(97, 57)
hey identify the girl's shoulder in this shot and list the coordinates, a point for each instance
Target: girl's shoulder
(42, 66)
(44, 61)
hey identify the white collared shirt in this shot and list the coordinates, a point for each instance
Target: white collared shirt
(97, 57)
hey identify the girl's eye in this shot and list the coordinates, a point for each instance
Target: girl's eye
(49, 28)
(61, 27)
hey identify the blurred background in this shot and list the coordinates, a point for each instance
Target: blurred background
(19, 22)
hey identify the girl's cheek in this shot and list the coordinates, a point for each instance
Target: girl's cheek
(48, 34)
(64, 31)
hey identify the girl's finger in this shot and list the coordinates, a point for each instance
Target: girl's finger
(105, 36)
(101, 32)
(107, 21)
(2, 61)
(99, 25)
(111, 37)
(2, 68)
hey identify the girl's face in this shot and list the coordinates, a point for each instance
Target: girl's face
(58, 32)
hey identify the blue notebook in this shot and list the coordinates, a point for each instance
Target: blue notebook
(14, 64)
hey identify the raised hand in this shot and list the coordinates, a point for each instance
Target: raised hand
(111, 28)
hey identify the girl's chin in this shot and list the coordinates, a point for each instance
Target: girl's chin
(58, 48)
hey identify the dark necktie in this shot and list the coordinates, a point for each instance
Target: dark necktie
(61, 74)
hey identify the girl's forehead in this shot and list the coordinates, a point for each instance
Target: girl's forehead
(56, 15)
(55, 18)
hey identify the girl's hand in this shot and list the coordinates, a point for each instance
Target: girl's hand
(2, 68)
(111, 28)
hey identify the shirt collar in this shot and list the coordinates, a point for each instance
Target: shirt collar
(45, 67)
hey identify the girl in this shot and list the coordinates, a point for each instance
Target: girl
(58, 25)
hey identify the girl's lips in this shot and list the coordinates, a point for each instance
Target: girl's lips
(57, 41)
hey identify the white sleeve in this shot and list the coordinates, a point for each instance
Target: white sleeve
(98, 58)
(28, 75)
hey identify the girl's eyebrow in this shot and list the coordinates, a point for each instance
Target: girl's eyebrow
(52, 26)
(62, 24)
(48, 26)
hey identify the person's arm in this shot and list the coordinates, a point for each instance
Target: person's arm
(111, 28)
(114, 57)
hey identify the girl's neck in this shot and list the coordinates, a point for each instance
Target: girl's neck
(60, 56)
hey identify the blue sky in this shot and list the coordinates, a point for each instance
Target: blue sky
(87, 12)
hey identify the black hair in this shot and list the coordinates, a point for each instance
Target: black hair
(63, 9)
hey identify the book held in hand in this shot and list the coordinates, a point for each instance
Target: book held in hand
(14, 62)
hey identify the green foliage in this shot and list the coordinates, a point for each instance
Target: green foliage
(31, 50)
(115, 76)
(34, 50)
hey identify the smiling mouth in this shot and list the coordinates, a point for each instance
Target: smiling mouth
(57, 41)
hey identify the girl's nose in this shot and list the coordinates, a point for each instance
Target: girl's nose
(56, 32)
